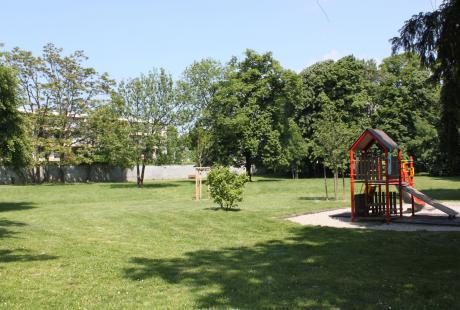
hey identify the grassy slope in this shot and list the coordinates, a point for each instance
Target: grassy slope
(116, 246)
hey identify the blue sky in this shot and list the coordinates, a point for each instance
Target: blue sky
(125, 38)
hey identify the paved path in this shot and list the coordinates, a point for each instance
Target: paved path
(325, 219)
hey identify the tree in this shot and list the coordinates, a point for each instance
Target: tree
(149, 105)
(295, 146)
(173, 148)
(434, 36)
(200, 141)
(345, 88)
(57, 93)
(197, 88)
(14, 143)
(247, 109)
(407, 107)
(331, 140)
(108, 137)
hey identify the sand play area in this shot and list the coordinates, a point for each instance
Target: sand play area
(428, 219)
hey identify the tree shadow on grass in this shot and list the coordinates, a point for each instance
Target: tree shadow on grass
(17, 255)
(6, 233)
(15, 206)
(317, 268)
(315, 198)
(147, 185)
(269, 180)
(443, 194)
(450, 179)
(22, 255)
(223, 209)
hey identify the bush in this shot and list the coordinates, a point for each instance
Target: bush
(226, 187)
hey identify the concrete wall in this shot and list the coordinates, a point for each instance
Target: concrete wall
(169, 172)
(103, 173)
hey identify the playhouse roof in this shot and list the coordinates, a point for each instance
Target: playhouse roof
(371, 136)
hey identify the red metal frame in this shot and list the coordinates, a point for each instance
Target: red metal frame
(352, 184)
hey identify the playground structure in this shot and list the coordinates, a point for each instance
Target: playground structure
(376, 163)
(199, 173)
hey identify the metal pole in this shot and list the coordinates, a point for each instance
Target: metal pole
(400, 184)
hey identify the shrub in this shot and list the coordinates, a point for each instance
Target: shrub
(226, 187)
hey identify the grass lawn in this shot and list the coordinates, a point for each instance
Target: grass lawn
(117, 246)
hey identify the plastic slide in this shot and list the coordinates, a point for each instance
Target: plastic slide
(451, 213)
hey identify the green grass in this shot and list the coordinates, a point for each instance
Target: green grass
(116, 246)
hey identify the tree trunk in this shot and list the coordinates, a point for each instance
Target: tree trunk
(336, 178)
(248, 168)
(142, 174)
(325, 181)
(88, 173)
(46, 173)
(138, 175)
(61, 174)
(343, 183)
(61, 169)
(37, 178)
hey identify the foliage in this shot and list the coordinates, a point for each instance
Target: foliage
(434, 36)
(173, 149)
(109, 138)
(14, 142)
(407, 107)
(149, 105)
(295, 147)
(56, 91)
(331, 140)
(246, 124)
(197, 87)
(345, 89)
(226, 187)
(200, 141)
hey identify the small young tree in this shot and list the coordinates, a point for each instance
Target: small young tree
(296, 148)
(226, 187)
(331, 140)
(200, 144)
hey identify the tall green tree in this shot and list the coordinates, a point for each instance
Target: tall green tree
(435, 37)
(246, 112)
(14, 143)
(335, 93)
(407, 107)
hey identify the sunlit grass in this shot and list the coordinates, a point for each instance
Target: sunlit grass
(117, 246)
